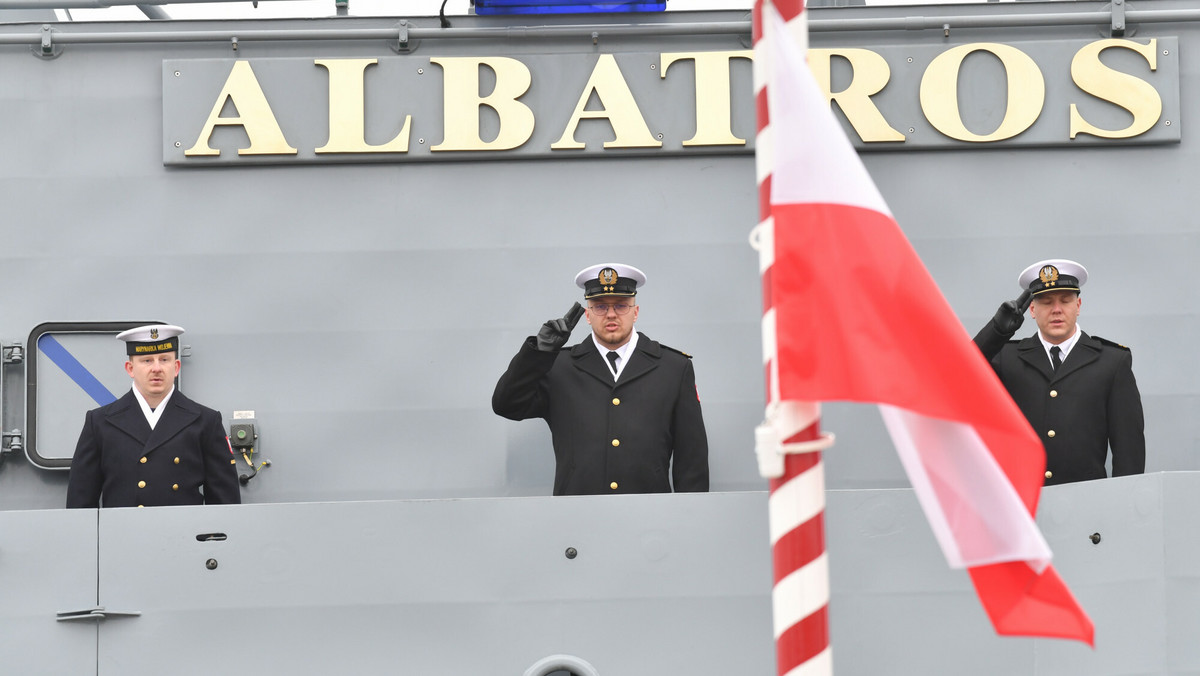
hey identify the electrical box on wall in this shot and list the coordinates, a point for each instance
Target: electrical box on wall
(243, 441)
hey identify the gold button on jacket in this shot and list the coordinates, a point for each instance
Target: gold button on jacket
(613, 485)
(191, 453)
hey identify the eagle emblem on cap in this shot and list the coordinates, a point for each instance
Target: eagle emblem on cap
(153, 334)
(1048, 274)
(607, 277)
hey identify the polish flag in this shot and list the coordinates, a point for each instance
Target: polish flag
(853, 315)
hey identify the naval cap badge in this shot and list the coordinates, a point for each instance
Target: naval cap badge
(1048, 274)
(607, 278)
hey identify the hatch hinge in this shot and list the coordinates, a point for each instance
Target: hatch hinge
(13, 353)
(13, 443)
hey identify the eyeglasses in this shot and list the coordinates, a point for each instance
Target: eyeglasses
(603, 308)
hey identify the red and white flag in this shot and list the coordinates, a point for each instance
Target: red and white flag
(851, 314)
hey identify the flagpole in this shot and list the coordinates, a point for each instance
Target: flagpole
(796, 506)
(789, 442)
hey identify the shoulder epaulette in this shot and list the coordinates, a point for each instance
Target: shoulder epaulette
(668, 347)
(1111, 343)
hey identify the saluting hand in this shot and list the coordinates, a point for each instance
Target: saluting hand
(1011, 313)
(555, 332)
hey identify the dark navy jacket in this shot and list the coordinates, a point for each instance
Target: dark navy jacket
(612, 437)
(1089, 404)
(121, 462)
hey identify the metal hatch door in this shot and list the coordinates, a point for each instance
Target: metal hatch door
(656, 585)
(70, 368)
(47, 567)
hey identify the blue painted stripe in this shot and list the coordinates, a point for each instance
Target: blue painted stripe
(74, 370)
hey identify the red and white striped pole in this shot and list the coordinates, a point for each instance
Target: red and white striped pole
(796, 506)
(789, 442)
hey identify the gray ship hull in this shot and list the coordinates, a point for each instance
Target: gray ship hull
(356, 268)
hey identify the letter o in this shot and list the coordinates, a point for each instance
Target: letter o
(939, 92)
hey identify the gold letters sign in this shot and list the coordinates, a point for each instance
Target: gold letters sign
(408, 108)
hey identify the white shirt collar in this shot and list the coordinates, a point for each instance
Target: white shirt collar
(623, 352)
(1064, 347)
(152, 416)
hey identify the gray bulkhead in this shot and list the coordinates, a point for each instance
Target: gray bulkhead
(363, 307)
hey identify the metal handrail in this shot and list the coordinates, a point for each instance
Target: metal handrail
(412, 32)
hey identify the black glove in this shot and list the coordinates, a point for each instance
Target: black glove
(554, 333)
(1011, 313)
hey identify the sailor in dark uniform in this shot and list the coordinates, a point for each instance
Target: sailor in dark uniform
(623, 409)
(152, 446)
(1077, 391)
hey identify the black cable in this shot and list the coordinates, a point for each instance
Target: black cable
(442, 15)
(245, 478)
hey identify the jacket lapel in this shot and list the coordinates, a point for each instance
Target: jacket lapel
(179, 414)
(1031, 352)
(643, 360)
(127, 417)
(1086, 351)
(587, 358)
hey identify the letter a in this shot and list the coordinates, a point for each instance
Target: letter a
(254, 116)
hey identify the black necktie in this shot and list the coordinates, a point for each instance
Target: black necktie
(1055, 360)
(612, 359)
